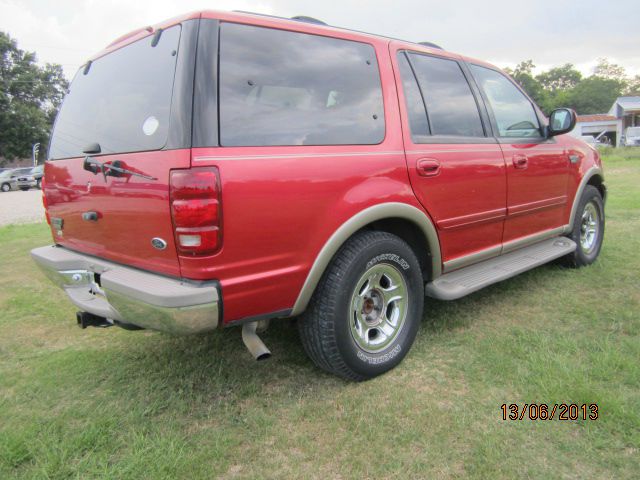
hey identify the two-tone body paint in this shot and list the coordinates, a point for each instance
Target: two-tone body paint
(281, 205)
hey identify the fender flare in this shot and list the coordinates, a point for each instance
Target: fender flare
(592, 172)
(347, 229)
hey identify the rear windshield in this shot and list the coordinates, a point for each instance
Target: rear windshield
(122, 103)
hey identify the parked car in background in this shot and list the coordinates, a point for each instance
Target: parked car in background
(25, 179)
(37, 173)
(7, 181)
(223, 169)
(632, 137)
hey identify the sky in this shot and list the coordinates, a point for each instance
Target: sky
(503, 32)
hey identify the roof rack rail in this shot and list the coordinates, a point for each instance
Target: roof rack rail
(304, 18)
(430, 44)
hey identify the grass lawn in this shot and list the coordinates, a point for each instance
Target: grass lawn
(118, 404)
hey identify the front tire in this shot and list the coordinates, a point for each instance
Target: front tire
(6, 187)
(366, 310)
(588, 229)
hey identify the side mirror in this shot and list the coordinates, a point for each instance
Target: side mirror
(561, 120)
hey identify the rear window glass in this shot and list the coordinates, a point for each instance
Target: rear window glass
(122, 103)
(413, 100)
(286, 88)
(451, 107)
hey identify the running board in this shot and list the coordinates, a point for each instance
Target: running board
(467, 280)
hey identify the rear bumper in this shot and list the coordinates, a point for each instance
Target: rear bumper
(127, 295)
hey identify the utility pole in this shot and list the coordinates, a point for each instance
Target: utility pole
(34, 153)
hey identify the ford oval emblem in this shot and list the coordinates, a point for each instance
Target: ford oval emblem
(158, 243)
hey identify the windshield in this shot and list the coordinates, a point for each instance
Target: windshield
(633, 132)
(122, 102)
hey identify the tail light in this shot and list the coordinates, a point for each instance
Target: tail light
(44, 202)
(196, 210)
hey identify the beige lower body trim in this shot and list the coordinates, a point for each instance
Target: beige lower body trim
(355, 223)
(472, 258)
(498, 250)
(512, 245)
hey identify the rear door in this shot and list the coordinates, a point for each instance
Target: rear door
(537, 167)
(127, 109)
(455, 165)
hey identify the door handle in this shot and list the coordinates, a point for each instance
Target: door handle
(520, 161)
(428, 167)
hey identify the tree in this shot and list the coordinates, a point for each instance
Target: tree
(29, 99)
(523, 74)
(564, 86)
(633, 86)
(594, 94)
(610, 71)
(560, 78)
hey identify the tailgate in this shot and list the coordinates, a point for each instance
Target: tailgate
(118, 217)
(129, 108)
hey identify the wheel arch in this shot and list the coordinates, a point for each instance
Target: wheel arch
(404, 220)
(594, 177)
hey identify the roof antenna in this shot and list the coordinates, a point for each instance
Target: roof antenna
(304, 18)
(156, 37)
(430, 45)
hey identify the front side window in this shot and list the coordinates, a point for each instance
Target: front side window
(122, 102)
(288, 88)
(451, 106)
(513, 111)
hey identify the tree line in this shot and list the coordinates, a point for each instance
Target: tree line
(29, 99)
(30, 94)
(564, 86)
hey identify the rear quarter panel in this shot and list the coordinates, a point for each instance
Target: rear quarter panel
(281, 204)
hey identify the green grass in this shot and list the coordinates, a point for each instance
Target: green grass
(117, 404)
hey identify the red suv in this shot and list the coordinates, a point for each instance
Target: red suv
(224, 169)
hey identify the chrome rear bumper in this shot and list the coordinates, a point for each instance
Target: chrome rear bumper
(128, 295)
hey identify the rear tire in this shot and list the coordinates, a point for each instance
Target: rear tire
(39, 184)
(588, 229)
(6, 187)
(366, 310)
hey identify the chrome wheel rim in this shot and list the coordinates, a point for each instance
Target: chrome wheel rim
(378, 308)
(589, 227)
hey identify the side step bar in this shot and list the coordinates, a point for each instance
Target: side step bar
(467, 280)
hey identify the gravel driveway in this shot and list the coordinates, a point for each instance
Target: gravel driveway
(21, 207)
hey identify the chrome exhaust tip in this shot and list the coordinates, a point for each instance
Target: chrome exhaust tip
(253, 343)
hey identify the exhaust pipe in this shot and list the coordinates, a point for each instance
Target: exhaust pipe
(253, 343)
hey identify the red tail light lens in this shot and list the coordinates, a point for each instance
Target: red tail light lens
(195, 210)
(44, 202)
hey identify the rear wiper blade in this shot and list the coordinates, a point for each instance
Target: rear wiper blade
(95, 167)
(115, 166)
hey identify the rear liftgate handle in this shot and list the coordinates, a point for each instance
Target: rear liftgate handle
(428, 167)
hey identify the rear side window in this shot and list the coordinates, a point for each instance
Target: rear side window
(513, 111)
(287, 88)
(123, 102)
(413, 99)
(451, 106)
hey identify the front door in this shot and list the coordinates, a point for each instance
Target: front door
(537, 168)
